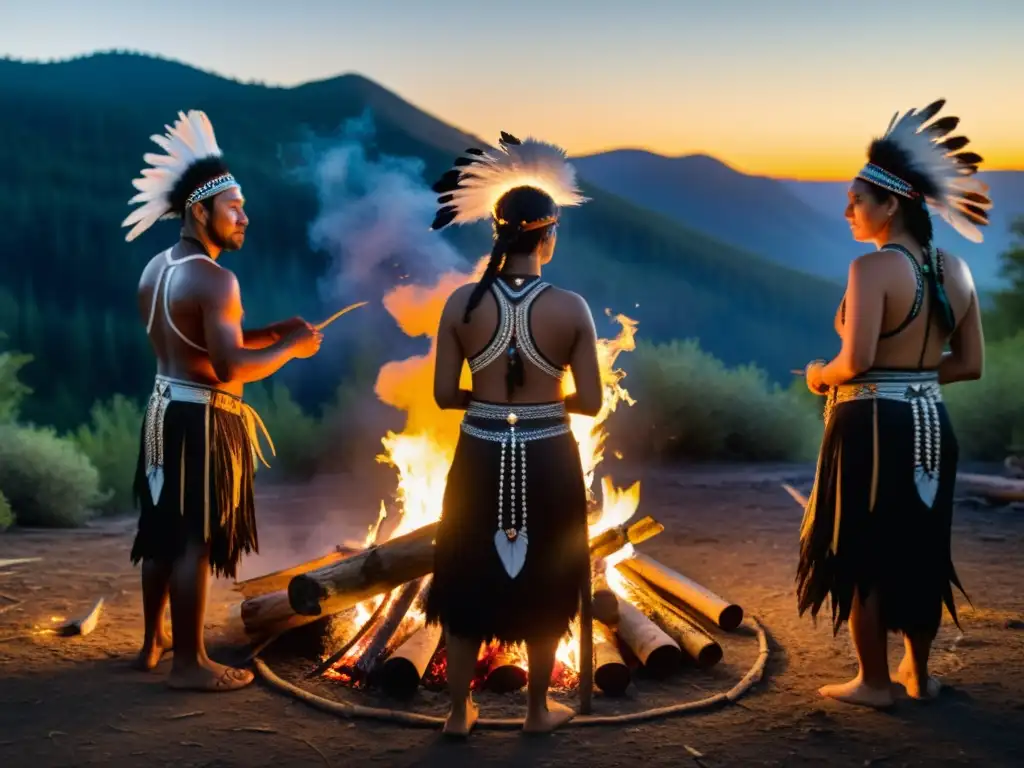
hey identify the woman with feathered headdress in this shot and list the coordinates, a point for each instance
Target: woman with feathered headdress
(875, 538)
(511, 552)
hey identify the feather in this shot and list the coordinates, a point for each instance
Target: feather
(471, 196)
(959, 197)
(189, 140)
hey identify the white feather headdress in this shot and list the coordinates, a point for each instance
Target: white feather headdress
(189, 141)
(954, 192)
(470, 190)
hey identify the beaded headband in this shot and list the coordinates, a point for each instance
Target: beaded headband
(211, 188)
(882, 178)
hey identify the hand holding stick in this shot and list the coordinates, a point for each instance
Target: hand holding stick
(339, 313)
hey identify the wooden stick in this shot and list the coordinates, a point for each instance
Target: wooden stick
(278, 580)
(701, 600)
(798, 497)
(335, 657)
(395, 614)
(339, 313)
(586, 644)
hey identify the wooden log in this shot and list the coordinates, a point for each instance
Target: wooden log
(504, 674)
(689, 593)
(606, 604)
(611, 673)
(400, 675)
(394, 614)
(659, 653)
(278, 580)
(380, 568)
(614, 539)
(991, 487)
(703, 649)
(270, 614)
(385, 566)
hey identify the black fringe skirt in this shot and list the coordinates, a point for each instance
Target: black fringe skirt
(207, 491)
(869, 526)
(472, 593)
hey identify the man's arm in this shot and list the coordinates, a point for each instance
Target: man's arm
(261, 338)
(583, 362)
(449, 358)
(222, 327)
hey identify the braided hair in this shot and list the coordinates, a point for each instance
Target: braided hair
(916, 216)
(523, 217)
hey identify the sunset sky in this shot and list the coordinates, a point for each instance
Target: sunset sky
(778, 87)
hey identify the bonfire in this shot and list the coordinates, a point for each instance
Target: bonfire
(642, 609)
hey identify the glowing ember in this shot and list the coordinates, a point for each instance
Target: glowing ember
(423, 451)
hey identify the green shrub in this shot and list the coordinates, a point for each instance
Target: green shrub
(111, 442)
(689, 405)
(12, 390)
(6, 515)
(48, 481)
(988, 415)
(297, 436)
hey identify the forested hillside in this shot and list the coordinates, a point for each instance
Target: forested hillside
(72, 138)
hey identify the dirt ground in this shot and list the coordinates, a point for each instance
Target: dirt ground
(75, 702)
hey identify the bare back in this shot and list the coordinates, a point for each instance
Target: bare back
(552, 329)
(912, 335)
(173, 290)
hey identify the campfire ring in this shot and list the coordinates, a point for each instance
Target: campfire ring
(418, 720)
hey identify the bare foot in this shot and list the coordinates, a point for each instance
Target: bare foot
(210, 676)
(151, 653)
(907, 676)
(548, 719)
(459, 725)
(857, 692)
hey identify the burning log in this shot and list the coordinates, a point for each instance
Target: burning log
(384, 567)
(394, 614)
(697, 643)
(380, 568)
(504, 674)
(606, 604)
(402, 672)
(692, 595)
(611, 675)
(658, 652)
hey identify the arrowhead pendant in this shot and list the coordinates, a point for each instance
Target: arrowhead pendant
(927, 485)
(155, 476)
(511, 551)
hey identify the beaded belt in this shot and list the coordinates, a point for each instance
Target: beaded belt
(920, 389)
(511, 542)
(167, 390)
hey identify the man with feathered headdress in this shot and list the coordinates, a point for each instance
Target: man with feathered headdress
(199, 443)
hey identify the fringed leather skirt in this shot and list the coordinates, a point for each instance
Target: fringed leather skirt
(194, 476)
(511, 551)
(880, 514)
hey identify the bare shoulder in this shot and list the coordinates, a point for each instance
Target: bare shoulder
(956, 268)
(455, 304)
(214, 284)
(569, 299)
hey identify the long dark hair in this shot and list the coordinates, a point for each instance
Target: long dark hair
(523, 217)
(916, 217)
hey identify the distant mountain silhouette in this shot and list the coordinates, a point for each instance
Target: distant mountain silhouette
(755, 213)
(74, 139)
(796, 224)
